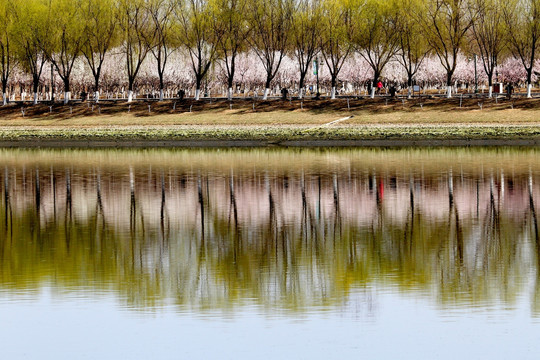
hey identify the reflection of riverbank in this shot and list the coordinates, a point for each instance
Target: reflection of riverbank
(208, 234)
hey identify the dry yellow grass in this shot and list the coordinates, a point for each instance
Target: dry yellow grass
(285, 118)
(277, 113)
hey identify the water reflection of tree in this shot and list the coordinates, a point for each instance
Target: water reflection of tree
(282, 240)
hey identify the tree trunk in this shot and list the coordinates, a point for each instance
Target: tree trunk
(301, 85)
(198, 87)
(35, 88)
(333, 91)
(267, 87)
(96, 88)
(161, 87)
(230, 88)
(490, 85)
(67, 92)
(529, 82)
(449, 85)
(4, 94)
(130, 91)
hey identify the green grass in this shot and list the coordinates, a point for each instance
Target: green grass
(277, 134)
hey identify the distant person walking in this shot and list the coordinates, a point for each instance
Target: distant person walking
(284, 93)
(509, 90)
(379, 87)
(392, 91)
(181, 93)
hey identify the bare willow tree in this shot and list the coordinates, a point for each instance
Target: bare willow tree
(64, 39)
(160, 40)
(377, 37)
(488, 34)
(231, 32)
(28, 28)
(445, 24)
(271, 22)
(413, 47)
(7, 57)
(305, 37)
(100, 35)
(522, 18)
(335, 44)
(196, 36)
(134, 21)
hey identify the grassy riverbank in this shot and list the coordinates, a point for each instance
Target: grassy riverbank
(275, 122)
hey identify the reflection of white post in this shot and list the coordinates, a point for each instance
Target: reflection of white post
(131, 180)
(231, 182)
(530, 184)
(502, 185)
(451, 181)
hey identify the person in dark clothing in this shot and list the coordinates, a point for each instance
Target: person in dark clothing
(509, 90)
(284, 93)
(181, 94)
(392, 91)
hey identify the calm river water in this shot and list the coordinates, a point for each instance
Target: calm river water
(270, 253)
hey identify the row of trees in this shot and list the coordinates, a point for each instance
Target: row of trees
(209, 32)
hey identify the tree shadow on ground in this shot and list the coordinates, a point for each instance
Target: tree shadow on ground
(145, 108)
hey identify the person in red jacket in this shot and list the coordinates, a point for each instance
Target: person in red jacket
(379, 87)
